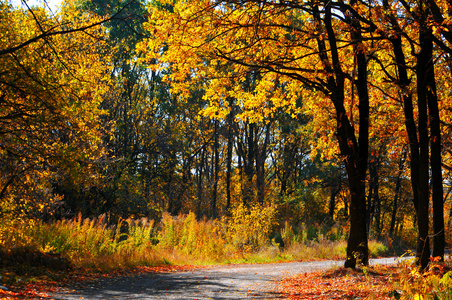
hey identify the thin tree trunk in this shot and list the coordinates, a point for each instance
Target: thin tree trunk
(260, 166)
(374, 197)
(397, 194)
(418, 147)
(200, 181)
(216, 169)
(370, 207)
(332, 202)
(247, 182)
(229, 157)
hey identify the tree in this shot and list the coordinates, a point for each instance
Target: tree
(51, 84)
(427, 130)
(298, 50)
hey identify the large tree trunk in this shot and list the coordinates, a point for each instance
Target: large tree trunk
(354, 151)
(418, 147)
(423, 246)
(357, 247)
(435, 147)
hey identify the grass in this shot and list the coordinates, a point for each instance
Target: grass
(95, 246)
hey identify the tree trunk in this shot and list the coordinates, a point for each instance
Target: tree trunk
(200, 181)
(332, 202)
(435, 150)
(216, 170)
(249, 159)
(418, 147)
(374, 197)
(397, 194)
(357, 247)
(260, 166)
(370, 207)
(354, 151)
(423, 246)
(229, 157)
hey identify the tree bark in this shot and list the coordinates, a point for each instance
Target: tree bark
(247, 182)
(260, 165)
(423, 245)
(354, 151)
(332, 202)
(229, 156)
(200, 181)
(374, 205)
(435, 145)
(397, 194)
(216, 170)
(357, 247)
(418, 147)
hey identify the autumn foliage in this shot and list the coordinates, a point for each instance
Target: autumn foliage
(339, 284)
(51, 90)
(140, 133)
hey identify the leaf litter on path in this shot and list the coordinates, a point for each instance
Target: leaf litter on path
(341, 283)
(309, 281)
(44, 288)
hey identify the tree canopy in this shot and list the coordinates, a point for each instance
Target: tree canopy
(327, 111)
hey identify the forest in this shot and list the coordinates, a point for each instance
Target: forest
(251, 123)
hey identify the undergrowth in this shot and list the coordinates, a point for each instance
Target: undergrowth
(435, 283)
(248, 235)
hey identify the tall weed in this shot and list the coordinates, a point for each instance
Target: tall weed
(200, 240)
(245, 236)
(249, 228)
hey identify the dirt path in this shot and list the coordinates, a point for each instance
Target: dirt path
(219, 282)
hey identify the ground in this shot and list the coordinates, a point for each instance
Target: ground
(296, 280)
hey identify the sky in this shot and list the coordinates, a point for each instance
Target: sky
(51, 3)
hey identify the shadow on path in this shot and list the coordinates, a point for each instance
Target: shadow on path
(198, 284)
(257, 281)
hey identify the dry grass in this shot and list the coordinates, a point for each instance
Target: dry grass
(93, 244)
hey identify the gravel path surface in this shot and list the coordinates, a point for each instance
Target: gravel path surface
(256, 281)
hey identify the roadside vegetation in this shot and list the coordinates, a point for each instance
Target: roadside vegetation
(95, 245)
